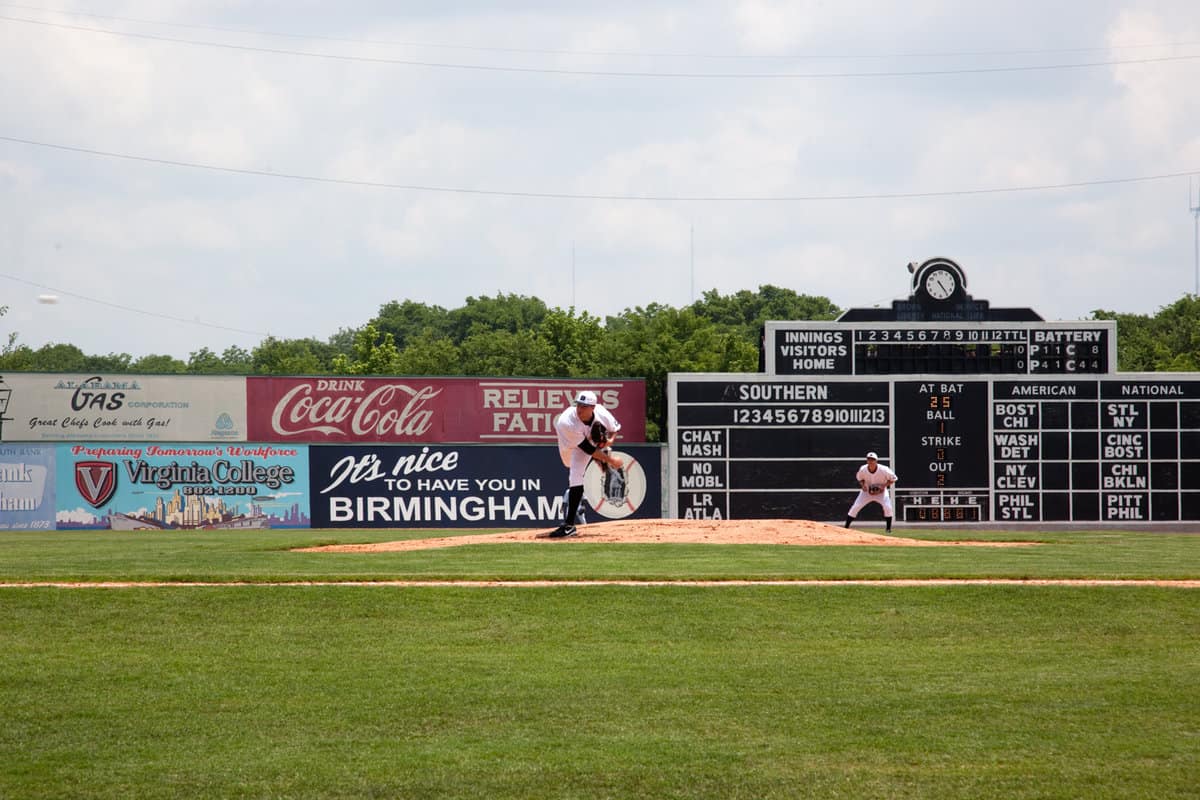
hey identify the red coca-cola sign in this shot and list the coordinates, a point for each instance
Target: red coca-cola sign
(418, 409)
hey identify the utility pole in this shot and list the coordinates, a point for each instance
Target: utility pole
(1195, 232)
(692, 258)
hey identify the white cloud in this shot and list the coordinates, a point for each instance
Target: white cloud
(1154, 109)
(304, 258)
(79, 516)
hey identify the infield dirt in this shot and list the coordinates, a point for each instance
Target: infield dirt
(675, 531)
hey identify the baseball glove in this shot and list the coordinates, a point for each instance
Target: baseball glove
(611, 461)
(598, 434)
(876, 489)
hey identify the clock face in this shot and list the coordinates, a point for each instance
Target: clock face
(940, 284)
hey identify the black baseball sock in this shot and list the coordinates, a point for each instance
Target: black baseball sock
(574, 496)
(889, 524)
(848, 521)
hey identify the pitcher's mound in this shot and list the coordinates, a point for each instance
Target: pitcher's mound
(673, 531)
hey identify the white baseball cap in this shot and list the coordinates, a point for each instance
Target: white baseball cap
(585, 398)
(873, 455)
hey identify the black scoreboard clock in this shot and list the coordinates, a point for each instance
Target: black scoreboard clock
(938, 280)
(986, 414)
(939, 330)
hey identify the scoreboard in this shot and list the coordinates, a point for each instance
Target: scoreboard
(986, 414)
(1122, 448)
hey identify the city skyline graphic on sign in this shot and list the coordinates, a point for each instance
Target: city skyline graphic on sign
(205, 492)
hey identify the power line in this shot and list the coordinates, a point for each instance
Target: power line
(611, 73)
(619, 197)
(606, 53)
(87, 299)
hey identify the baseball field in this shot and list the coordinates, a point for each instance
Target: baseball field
(234, 664)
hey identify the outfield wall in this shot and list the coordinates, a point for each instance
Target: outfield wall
(172, 486)
(44, 407)
(146, 452)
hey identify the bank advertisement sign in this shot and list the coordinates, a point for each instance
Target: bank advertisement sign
(155, 487)
(472, 486)
(26, 487)
(434, 410)
(38, 407)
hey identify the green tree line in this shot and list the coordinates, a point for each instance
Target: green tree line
(516, 336)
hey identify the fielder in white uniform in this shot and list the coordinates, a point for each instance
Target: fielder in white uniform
(577, 447)
(874, 486)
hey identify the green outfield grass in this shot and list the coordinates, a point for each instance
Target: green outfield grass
(267, 556)
(953, 692)
(596, 691)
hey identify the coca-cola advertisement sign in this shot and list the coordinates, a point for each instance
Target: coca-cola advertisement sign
(421, 409)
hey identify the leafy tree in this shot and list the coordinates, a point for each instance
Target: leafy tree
(574, 343)
(12, 355)
(18, 357)
(237, 360)
(407, 320)
(429, 354)
(342, 342)
(747, 312)
(291, 357)
(1177, 328)
(504, 353)
(60, 358)
(113, 362)
(1168, 341)
(512, 335)
(205, 362)
(158, 365)
(373, 354)
(654, 341)
(505, 312)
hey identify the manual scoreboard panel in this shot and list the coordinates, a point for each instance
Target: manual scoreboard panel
(992, 348)
(1030, 447)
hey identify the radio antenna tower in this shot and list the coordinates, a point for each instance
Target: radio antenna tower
(1195, 209)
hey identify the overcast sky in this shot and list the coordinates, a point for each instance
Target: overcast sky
(740, 119)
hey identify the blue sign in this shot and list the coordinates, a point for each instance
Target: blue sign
(217, 486)
(26, 487)
(472, 486)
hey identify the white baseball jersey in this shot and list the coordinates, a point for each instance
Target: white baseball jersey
(882, 476)
(572, 430)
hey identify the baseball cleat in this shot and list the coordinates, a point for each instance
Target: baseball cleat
(563, 531)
